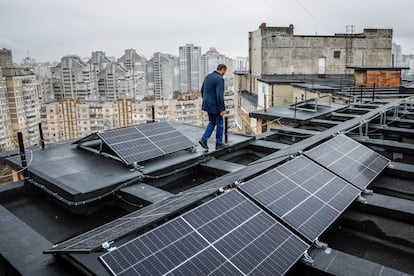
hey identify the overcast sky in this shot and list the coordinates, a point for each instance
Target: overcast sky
(50, 29)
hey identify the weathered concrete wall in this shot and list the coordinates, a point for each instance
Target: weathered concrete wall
(277, 51)
(282, 94)
(255, 52)
(274, 94)
(304, 94)
(241, 82)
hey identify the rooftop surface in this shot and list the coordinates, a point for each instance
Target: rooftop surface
(337, 81)
(316, 87)
(79, 175)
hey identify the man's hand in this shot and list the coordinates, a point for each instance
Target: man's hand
(222, 113)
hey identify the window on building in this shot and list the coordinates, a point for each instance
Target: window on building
(337, 54)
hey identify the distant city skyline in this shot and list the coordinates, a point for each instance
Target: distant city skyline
(47, 30)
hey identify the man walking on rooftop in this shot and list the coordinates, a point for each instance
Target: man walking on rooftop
(212, 92)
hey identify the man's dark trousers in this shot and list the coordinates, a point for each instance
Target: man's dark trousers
(215, 120)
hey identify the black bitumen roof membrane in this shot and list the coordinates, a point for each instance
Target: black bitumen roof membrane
(78, 174)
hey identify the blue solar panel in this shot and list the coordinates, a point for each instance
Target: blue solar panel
(303, 194)
(144, 142)
(349, 159)
(226, 236)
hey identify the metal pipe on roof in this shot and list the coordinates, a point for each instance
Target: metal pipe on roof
(42, 141)
(226, 127)
(373, 93)
(86, 201)
(296, 103)
(22, 153)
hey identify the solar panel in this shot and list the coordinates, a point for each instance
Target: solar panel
(144, 142)
(112, 231)
(303, 194)
(228, 235)
(93, 239)
(349, 159)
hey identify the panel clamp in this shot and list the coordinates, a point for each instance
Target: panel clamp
(307, 259)
(321, 245)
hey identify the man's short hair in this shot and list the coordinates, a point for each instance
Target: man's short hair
(221, 67)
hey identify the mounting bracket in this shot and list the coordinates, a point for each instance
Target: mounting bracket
(235, 184)
(307, 259)
(361, 199)
(367, 192)
(321, 245)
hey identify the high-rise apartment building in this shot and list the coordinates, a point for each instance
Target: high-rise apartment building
(53, 123)
(71, 118)
(163, 76)
(43, 71)
(6, 58)
(137, 66)
(210, 60)
(408, 61)
(28, 62)
(45, 88)
(190, 68)
(97, 63)
(242, 64)
(115, 82)
(72, 78)
(6, 131)
(24, 104)
(99, 60)
(400, 60)
(96, 116)
(396, 55)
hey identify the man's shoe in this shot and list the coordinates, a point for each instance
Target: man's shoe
(220, 146)
(203, 143)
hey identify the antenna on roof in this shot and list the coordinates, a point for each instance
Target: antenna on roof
(350, 29)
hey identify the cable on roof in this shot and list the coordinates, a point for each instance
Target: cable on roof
(179, 194)
(147, 176)
(22, 169)
(83, 202)
(128, 202)
(273, 158)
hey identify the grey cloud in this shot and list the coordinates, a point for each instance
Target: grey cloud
(50, 29)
